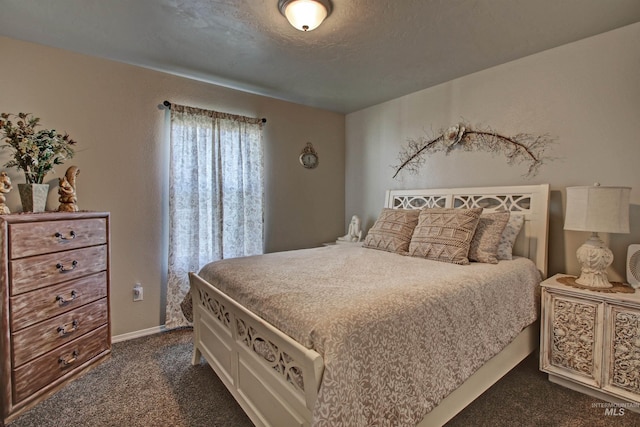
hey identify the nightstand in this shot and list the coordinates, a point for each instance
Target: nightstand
(590, 340)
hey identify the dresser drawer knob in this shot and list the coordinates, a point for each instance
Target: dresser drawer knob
(63, 331)
(62, 302)
(72, 235)
(62, 268)
(66, 362)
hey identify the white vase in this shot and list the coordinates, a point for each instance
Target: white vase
(33, 197)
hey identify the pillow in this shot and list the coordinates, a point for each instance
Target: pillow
(444, 234)
(509, 236)
(484, 245)
(392, 230)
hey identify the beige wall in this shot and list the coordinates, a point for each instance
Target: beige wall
(112, 110)
(585, 94)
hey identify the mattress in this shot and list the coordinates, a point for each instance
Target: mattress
(397, 334)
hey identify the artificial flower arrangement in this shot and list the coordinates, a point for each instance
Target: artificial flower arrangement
(35, 152)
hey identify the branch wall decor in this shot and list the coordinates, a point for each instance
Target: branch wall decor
(520, 148)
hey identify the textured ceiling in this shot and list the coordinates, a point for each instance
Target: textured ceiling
(366, 52)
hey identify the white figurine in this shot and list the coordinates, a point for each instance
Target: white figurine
(354, 234)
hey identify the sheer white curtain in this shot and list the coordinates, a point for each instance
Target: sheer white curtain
(216, 195)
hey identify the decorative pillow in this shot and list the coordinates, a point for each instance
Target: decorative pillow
(484, 245)
(444, 234)
(509, 236)
(392, 230)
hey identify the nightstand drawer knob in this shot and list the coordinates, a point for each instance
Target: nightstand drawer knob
(62, 302)
(62, 268)
(66, 362)
(72, 235)
(63, 331)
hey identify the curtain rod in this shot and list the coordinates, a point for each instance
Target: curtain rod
(168, 105)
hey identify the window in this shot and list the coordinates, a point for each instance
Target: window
(216, 195)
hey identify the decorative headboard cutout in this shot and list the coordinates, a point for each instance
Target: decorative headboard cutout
(531, 201)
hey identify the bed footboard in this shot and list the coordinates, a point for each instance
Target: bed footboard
(274, 379)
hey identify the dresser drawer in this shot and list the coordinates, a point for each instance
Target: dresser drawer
(33, 341)
(33, 307)
(44, 370)
(44, 237)
(43, 270)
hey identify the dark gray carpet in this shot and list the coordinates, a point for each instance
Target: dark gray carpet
(150, 382)
(147, 382)
(525, 397)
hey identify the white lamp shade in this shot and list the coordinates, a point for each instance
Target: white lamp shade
(305, 15)
(598, 209)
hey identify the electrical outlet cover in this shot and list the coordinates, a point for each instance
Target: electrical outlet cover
(138, 293)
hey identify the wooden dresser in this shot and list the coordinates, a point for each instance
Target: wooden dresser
(54, 315)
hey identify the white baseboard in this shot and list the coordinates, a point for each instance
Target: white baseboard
(138, 334)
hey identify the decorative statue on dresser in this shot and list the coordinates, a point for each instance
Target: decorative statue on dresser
(5, 187)
(354, 234)
(67, 191)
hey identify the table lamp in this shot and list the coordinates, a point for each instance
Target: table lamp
(596, 209)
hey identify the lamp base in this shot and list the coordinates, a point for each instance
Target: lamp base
(595, 257)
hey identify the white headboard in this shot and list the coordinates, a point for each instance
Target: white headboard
(532, 201)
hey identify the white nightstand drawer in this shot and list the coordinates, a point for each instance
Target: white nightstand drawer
(570, 327)
(622, 361)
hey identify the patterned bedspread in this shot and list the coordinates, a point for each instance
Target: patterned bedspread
(397, 333)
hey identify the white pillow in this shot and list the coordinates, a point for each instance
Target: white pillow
(509, 236)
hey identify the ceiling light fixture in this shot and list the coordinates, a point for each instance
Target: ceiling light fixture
(305, 15)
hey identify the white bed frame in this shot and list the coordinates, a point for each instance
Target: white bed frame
(226, 333)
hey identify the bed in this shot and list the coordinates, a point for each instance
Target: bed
(365, 354)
